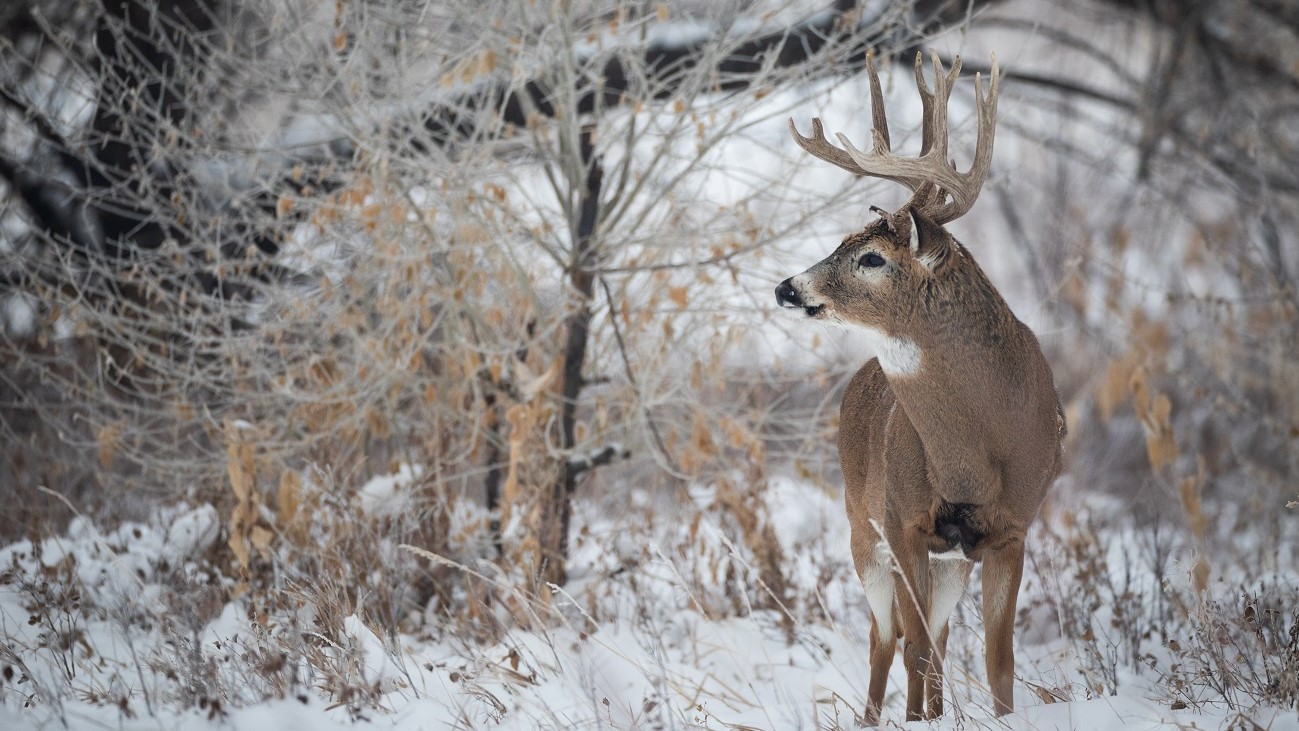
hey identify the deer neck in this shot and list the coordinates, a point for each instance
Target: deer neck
(958, 357)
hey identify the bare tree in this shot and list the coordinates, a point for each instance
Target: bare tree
(382, 243)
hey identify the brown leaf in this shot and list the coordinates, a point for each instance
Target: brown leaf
(1155, 412)
(240, 469)
(678, 296)
(1074, 291)
(1200, 574)
(1114, 388)
(260, 538)
(1048, 695)
(289, 498)
(109, 438)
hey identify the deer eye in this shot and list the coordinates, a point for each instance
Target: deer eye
(871, 260)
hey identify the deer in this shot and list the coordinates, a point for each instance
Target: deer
(950, 437)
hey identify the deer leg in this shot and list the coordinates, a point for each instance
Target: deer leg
(876, 579)
(948, 574)
(1002, 569)
(934, 697)
(912, 582)
(884, 645)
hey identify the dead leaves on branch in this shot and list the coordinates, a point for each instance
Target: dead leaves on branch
(532, 472)
(1130, 377)
(245, 533)
(1155, 411)
(253, 530)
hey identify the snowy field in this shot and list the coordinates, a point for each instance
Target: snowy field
(108, 629)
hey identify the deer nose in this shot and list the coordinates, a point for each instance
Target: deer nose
(787, 296)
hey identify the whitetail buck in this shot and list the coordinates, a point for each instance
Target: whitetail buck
(950, 437)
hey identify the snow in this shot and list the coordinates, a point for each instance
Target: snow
(386, 495)
(19, 314)
(193, 533)
(376, 665)
(659, 657)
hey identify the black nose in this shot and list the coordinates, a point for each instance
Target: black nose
(787, 296)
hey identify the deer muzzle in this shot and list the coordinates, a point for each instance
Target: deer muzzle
(788, 296)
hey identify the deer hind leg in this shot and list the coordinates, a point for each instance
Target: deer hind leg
(1003, 567)
(948, 574)
(877, 579)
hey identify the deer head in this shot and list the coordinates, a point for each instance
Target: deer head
(885, 276)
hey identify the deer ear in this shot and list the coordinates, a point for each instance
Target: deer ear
(930, 242)
(886, 217)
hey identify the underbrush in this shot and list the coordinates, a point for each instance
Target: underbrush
(1123, 595)
(742, 610)
(361, 600)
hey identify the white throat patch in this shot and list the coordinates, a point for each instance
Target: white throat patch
(898, 356)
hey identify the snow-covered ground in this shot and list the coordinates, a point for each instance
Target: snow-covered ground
(106, 629)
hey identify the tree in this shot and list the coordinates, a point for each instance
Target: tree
(377, 242)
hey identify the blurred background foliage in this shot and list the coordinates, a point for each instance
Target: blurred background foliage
(527, 249)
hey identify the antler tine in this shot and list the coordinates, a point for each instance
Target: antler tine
(987, 109)
(933, 130)
(926, 105)
(970, 184)
(819, 147)
(879, 122)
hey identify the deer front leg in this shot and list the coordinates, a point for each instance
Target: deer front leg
(1002, 569)
(873, 566)
(912, 582)
(884, 645)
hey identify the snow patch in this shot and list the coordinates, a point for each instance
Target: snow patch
(193, 533)
(387, 496)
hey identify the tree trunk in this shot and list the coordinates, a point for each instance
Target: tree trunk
(557, 510)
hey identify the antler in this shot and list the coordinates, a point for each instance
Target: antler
(932, 177)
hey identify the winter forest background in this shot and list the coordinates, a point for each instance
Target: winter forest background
(415, 363)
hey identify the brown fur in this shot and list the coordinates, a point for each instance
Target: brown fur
(966, 446)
